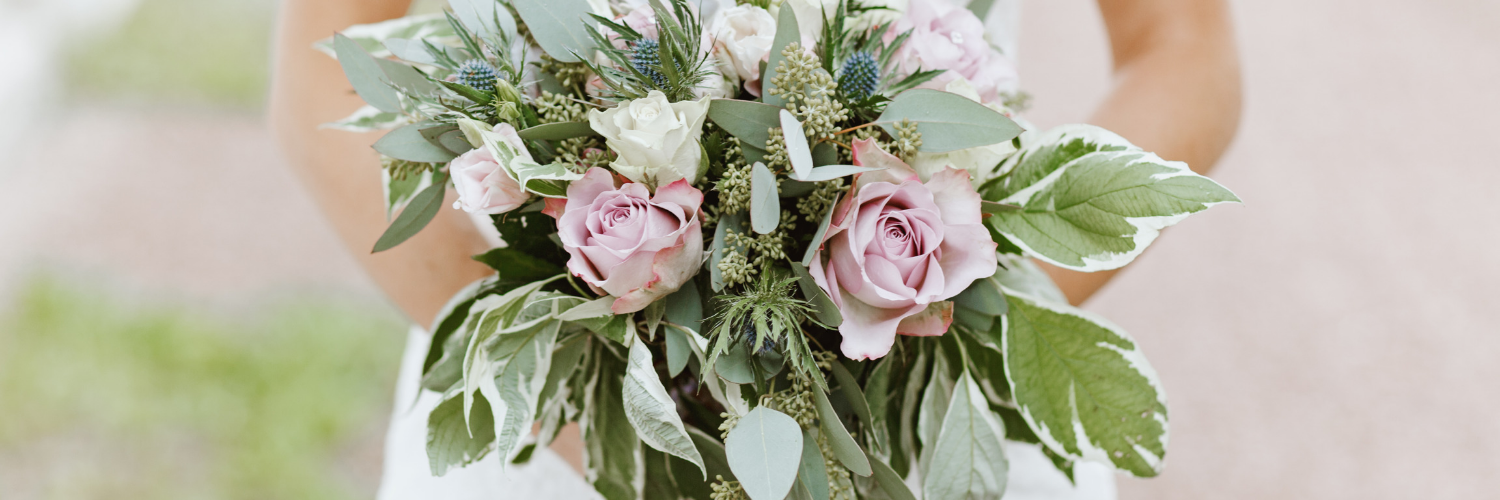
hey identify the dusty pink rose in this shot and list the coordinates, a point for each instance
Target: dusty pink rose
(946, 36)
(898, 249)
(626, 242)
(484, 186)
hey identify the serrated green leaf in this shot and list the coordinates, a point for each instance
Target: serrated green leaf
(517, 268)
(449, 443)
(1084, 386)
(557, 131)
(408, 143)
(765, 451)
(749, 121)
(947, 121)
(765, 202)
(652, 412)
(968, 461)
(844, 447)
(561, 27)
(786, 33)
(365, 75)
(417, 214)
(1097, 210)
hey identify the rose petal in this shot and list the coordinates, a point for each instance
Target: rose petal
(931, 322)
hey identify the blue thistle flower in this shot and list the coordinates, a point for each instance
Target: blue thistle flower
(646, 58)
(747, 335)
(860, 76)
(477, 73)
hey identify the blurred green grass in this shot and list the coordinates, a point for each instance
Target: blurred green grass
(213, 52)
(106, 397)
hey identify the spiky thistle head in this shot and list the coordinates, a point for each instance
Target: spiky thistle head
(860, 76)
(477, 73)
(646, 57)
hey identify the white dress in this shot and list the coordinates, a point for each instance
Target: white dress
(547, 476)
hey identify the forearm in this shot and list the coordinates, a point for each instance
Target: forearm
(340, 170)
(1176, 91)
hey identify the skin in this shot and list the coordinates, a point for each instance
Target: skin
(1176, 92)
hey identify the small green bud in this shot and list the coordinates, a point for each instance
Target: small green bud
(507, 111)
(504, 91)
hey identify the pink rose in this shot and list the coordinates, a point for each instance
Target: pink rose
(945, 36)
(627, 243)
(898, 249)
(484, 185)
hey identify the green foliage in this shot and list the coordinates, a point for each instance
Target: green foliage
(248, 400)
(765, 316)
(947, 122)
(423, 207)
(676, 67)
(764, 451)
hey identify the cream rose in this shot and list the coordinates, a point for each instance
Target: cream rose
(742, 38)
(657, 140)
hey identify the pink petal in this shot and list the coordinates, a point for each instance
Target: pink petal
(868, 154)
(582, 192)
(955, 196)
(968, 255)
(869, 331)
(931, 322)
(681, 193)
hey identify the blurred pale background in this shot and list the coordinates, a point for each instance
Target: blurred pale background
(176, 321)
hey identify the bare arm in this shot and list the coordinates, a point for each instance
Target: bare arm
(341, 171)
(1176, 91)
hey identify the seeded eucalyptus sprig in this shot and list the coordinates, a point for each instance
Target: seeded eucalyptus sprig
(672, 63)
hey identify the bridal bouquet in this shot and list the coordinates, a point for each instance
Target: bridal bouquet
(767, 249)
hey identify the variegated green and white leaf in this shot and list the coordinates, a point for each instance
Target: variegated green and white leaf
(1022, 275)
(967, 460)
(495, 315)
(613, 459)
(934, 408)
(652, 412)
(399, 192)
(1084, 386)
(372, 36)
(550, 180)
(451, 441)
(520, 361)
(1090, 201)
(368, 119)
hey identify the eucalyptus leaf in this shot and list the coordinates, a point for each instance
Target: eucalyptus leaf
(561, 27)
(415, 51)
(947, 121)
(399, 192)
(1084, 386)
(765, 451)
(652, 412)
(890, 482)
(787, 33)
(817, 240)
(825, 154)
(368, 119)
(408, 143)
(557, 131)
(814, 473)
(685, 306)
(797, 150)
(481, 16)
(1094, 202)
(734, 366)
(365, 75)
(406, 77)
(677, 350)
(765, 203)
(831, 172)
(844, 447)
(422, 208)
(849, 387)
(749, 121)
(714, 457)
(824, 310)
(968, 461)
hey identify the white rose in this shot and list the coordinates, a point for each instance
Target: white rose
(887, 13)
(716, 86)
(981, 161)
(810, 16)
(656, 140)
(743, 35)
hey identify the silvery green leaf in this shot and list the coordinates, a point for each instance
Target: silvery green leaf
(968, 461)
(408, 143)
(844, 447)
(814, 473)
(1084, 386)
(877, 394)
(824, 154)
(817, 240)
(765, 450)
(449, 443)
(405, 77)
(400, 191)
(652, 412)
(1022, 275)
(714, 457)
(765, 203)
(371, 36)
(612, 454)
(419, 211)
(366, 76)
(787, 33)
(824, 310)
(934, 407)
(678, 349)
(480, 16)
(550, 180)
(685, 306)
(831, 172)
(911, 396)
(557, 131)
(983, 296)
(561, 27)
(415, 51)
(735, 365)
(947, 121)
(890, 482)
(849, 387)
(797, 150)
(592, 309)
(749, 121)
(368, 119)
(1091, 201)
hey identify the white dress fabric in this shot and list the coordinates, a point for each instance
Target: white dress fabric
(408, 477)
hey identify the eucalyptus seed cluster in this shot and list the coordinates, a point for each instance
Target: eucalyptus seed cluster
(809, 92)
(730, 420)
(796, 401)
(734, 266)
(840, 482)
(727, 490)
(557, 108)
(738, 266)
(908, 140)
(815, 204)
(569, 75)
(400, 169)
(776, 157)
(734, 188)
